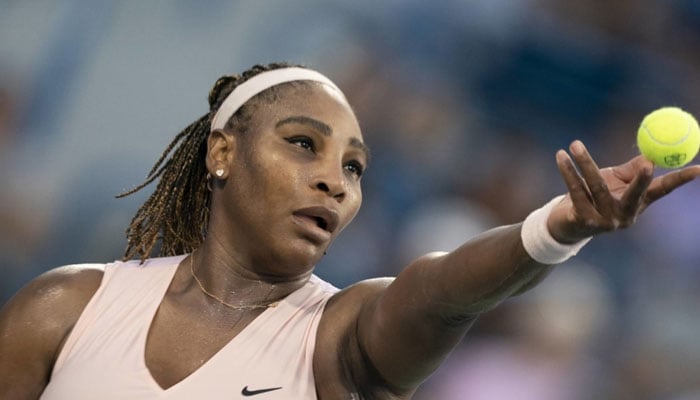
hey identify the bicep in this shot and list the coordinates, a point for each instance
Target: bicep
(410, 326)
(26, 353)
(33, 325)
(402, 339)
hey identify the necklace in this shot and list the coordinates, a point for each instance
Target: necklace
(252, 306)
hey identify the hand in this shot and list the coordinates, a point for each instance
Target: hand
(602, 200)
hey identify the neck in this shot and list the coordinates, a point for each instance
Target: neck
(222, 274)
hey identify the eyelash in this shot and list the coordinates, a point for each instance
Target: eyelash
(308, 144)
(358, 169)
(303, 142)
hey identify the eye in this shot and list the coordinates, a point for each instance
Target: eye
(303, 142)
(355, 168)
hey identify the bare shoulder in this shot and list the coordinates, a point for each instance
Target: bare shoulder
(52, 302)
(35, 322)
(346, 305)
(343, 309)
(338, 359)
(363, 290)
(63, 291)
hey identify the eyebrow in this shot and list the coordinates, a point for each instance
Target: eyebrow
(325, 130)
(314, 123)
(356, 143)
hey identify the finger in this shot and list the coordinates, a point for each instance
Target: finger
(628, 171)
(578, 191)
(633, 197)
(594, 180)
(665, 184)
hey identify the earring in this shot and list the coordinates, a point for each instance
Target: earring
(219, 172)
(208, 179)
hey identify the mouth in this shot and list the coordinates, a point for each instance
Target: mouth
(321, 223)
(324, 218)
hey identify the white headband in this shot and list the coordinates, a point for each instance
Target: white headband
(246, 90)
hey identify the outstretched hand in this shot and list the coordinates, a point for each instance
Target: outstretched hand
(602, 200)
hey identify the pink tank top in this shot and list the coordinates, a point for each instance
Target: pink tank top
(103, 357)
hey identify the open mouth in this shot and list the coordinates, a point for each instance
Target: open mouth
(321, 223)
(324, 218)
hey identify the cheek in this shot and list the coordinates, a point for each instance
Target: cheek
(354, 204)
(271, 177)
(276, 194)
(358, 201)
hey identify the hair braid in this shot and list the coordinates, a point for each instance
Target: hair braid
(177, 212)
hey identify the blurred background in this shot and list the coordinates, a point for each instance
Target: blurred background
(464, 104)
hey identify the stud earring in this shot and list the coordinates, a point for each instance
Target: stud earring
(219, 172)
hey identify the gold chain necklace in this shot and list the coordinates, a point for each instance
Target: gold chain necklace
(229, 305)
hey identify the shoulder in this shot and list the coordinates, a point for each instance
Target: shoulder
(69, 285)
(351, 300)
(338, 359)
(49, 305)
(344, 308)
(59, 287)
(35, 323)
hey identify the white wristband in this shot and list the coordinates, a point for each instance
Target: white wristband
(540, 244)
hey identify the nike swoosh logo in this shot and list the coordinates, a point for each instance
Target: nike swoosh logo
(246, 392)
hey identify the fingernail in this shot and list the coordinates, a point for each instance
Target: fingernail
(577, 147)
(561, 155)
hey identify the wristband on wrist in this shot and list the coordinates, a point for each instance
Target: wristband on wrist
(540, 244)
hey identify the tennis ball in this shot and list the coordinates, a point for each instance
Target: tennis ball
(669, 137)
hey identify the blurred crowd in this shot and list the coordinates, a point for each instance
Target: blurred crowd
(463, 104)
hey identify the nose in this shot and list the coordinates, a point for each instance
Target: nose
(331, 185)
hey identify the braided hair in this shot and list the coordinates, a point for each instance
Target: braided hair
(177, 213)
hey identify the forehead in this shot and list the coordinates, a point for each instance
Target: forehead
(313, 100)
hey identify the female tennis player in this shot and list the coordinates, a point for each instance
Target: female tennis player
(219, 300)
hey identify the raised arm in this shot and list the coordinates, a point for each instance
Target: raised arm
(34, 325)
(409, 327)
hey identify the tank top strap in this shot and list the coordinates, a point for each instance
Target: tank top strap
(129, 292)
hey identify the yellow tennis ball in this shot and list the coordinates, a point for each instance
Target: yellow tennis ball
(669, 137)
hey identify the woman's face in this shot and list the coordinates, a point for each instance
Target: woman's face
(293, 180)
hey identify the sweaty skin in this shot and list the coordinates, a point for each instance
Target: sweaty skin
(378, 339)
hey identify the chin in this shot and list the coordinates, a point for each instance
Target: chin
(299, 259)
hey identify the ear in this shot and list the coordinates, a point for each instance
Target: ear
(220, 153)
